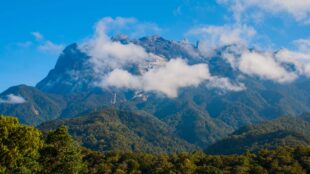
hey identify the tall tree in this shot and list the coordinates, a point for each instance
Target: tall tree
(61, 154)
(19, 147)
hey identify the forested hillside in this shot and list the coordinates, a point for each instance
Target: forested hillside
(23, 149)
(284, 131)
(114, 130)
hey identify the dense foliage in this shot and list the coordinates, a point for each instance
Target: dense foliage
(61, 154)
(24, 150)
(19, 147)
(114, 130)
(282, 160)
(284, 131)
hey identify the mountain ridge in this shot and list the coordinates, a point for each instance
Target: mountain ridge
(116, 130)
(200, 115)
(284, 131)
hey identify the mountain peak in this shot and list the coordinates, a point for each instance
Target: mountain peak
(72, 73)
(123, 38)
(153, 37)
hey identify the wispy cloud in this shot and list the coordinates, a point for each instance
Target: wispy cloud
(12, 99)
(45, 45)
(300, 57)
(131, 26)
(37, 35)
(272, 65)
(212, 37)
(240, 35)
(25, 44)
(107, 54)
(51, 47)
(299, 9)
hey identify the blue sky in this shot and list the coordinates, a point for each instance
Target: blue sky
(33, 31)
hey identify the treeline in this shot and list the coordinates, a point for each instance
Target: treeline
(283, 160)
(24, 149)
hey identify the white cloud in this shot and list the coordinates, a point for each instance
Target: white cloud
(300, 57)
(37, 35)
(265, 66)
(218, 36)
(303, 45)
(270, 65)
(110, 59)
(51, 47)
(13, 99)
(131, 26)
(108, 23)
(225, 84)
(168, 79)
(107, 54)
(43, 44)
(299, 9)
(121, 79)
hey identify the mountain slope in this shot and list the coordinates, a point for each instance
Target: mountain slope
(200, 115)
(38, 107)
(72, 73)
(111, 129)
(262, 100)
(284, 131)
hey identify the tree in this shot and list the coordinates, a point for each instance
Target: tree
(61, 154)
(19, 147)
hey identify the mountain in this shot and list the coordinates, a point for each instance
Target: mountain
(37, 108)
(284, 131)
(189, 120)
(41, 106)
(199, 115)
(72, 73)
(262, 100)
(114, 130)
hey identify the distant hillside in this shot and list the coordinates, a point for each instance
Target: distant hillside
(112, 130)
(285, 131)
(37, 108)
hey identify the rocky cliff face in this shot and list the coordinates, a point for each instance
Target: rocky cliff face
(72, 73)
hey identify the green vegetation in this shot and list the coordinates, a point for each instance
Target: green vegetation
(24, 150)
(196, 119)
(113, 130)
(19, 147)
(284, 131)
(39, 106)
(61, 154)
(282, 160)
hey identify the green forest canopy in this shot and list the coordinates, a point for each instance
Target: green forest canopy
(23, 149)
